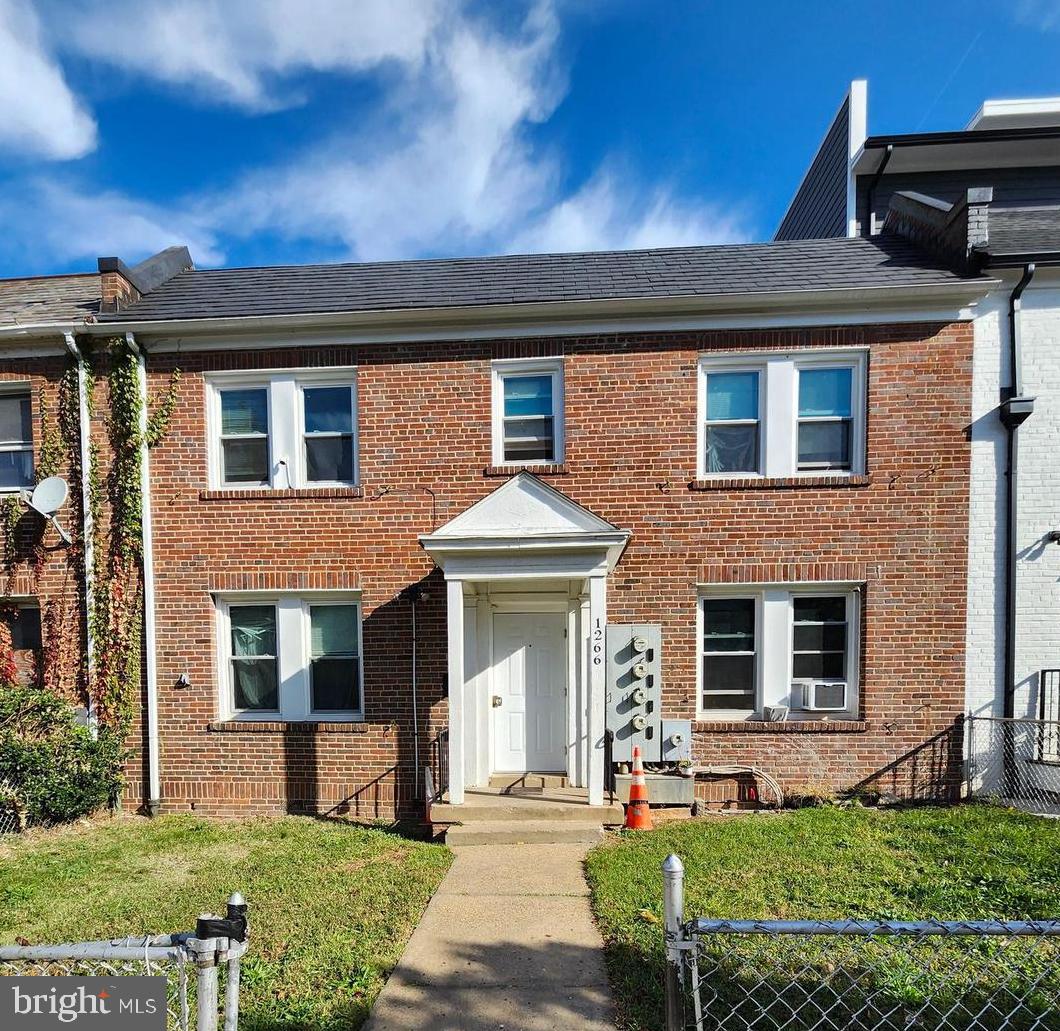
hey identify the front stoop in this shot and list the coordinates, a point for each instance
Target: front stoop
(492, 816)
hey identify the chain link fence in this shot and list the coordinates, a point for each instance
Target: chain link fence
(1015, 762)
(805, 975)
(201, 967)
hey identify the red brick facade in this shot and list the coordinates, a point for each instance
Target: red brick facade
(631, 420)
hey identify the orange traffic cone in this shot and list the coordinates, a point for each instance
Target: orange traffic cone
(638, 815)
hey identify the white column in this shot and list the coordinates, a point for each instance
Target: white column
(483, 617)
(454, 590)
(597, 686)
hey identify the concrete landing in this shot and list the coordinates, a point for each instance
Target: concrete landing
(493, 816)
(508, 941)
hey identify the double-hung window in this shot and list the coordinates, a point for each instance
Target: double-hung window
(730, 648)
(23, 626)
(826, 420)
(290, 657)
(245, 436)
(283, 429)
(527, 412)
(16, 440)
(782, 415)
(732, 438)
(791, 646)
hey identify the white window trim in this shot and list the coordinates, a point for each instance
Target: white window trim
(528, 367)
(286, 421)
(775, 633)
(293, 652)
(734, 364)
(7, 388)
(778, 408)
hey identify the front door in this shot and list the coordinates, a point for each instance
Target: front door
(529, 692)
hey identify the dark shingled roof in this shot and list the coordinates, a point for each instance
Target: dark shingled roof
(1023, 230)
(795, 265)
(48, 299)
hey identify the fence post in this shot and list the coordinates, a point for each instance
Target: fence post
(205, 951)
(237, 912)
(673, 871)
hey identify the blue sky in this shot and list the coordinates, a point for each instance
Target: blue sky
(281, 131)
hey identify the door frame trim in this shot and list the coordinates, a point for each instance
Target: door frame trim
(514, 604)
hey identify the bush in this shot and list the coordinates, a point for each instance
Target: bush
(51, 768)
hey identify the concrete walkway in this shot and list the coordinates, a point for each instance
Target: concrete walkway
(507, 942)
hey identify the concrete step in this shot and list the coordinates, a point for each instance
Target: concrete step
(519, 832)
(528, 782)
(526, 811)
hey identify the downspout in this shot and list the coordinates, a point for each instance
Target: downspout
(154, 776)
(84, 425)
(870, 194)
(1014, 411)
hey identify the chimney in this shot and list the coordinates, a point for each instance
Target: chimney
(121, 286)
(952, 232)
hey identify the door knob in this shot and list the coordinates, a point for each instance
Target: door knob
(497, 701)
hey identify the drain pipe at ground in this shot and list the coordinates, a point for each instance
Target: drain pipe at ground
(84, 426)
(154, 774)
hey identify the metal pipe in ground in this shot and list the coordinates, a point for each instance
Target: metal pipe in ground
(673, 872)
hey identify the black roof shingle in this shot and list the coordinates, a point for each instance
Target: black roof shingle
(1023, 230)
(798, 265)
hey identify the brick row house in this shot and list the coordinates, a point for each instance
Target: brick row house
(989, 195)
(414, 525)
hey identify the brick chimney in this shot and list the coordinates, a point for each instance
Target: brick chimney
(121, 286)
(951, 232)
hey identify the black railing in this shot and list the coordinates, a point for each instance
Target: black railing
(436, 775)
(1049, 714)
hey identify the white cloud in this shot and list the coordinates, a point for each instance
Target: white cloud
(448, 162)
(1043, 15)
(39, 115)
(241, 51)
(57, 223)
(608, 213)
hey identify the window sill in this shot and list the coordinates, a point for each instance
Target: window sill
(544, 469)
(779, 482)
(843, 726)
(280, 494)
(282, 727)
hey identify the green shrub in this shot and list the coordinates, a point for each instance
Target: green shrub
(51, 768)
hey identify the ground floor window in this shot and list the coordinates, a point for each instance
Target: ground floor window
(790, 647)
(290, 657)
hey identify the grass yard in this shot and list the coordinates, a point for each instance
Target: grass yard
(331, 905)
(968, 862)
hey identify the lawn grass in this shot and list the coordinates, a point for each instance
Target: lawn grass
(331, 905)
(967, 862)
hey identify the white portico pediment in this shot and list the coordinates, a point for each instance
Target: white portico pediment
(525, 528)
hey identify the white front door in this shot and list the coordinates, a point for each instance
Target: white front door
(529, 688)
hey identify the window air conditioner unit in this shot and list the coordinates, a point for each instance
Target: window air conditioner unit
(822, 695)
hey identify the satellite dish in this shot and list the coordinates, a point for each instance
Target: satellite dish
(49, 496)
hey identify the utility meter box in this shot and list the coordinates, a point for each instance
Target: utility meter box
(634, 690)
(676, 740)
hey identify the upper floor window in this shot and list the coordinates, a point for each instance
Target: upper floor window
(290, 657)
(791, 646)
(826, 423)
(527, 412)
(283, 429)
(16, 440)
(782, 415)
(732, 437)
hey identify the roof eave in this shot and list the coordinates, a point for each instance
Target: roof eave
(962, 291)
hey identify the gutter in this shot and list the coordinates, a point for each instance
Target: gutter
(84, 423)
(154, 774)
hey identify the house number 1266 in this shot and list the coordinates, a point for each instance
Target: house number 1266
(598, 645)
